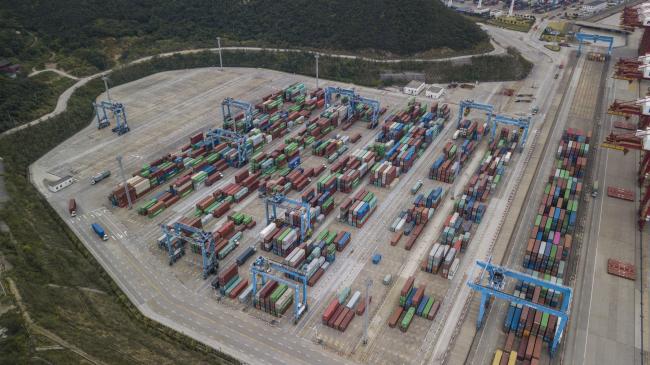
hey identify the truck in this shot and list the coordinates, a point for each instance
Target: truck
(416, 187)
(245, 255)
(594, 189)
(99, 231)
(100, 176)
(72, 207)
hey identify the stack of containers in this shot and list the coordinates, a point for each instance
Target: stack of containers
(549, 246)
(470, 208)
(230, 283)
(405, 136)
(273, 298)
(197, 155)
(447, 166)
(353, 168)
(356, 210)
(412, 302)
(338, 315)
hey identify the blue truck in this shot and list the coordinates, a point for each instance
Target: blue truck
(99, 231)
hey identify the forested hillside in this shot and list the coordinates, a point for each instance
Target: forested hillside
(92, 29)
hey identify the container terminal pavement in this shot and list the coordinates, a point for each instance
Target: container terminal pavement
(266, 228)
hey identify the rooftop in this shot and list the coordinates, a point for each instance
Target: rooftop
(434, 89)
(57, 182)
(414, 84)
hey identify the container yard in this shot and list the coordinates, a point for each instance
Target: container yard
(339, 223)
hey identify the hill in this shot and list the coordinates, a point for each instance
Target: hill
(96, 32)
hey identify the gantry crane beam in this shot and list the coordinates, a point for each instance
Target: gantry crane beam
(227, 106)
(204, 240)
(493, 285)
(118, 111)
(353, 100)
(263, 267)
(276, 201)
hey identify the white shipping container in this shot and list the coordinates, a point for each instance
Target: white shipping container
(134, 180)
(297, 257)
(352, 303)
(453, 268)
(142, 186)
(205, 219)
(267, 230)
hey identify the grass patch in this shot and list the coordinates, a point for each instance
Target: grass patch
(24, 99)
(512, 23)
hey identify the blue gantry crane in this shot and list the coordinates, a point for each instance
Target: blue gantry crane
(204, 240)
(273, 202)
(595, 38)
(227, 106)
(263, 268)
(353, 100)
(522, 122)
(494, 285)
(118, 111)
(471, 104)
(235, 140)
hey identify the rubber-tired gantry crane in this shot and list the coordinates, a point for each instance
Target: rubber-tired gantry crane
(276, 201)
(467, 105)
(235, 140)
(263, 267)
(494, 285)
(227, 106)
(183, 233)
(595, 38)
(353, 100)
(118, 111)
(523, 123)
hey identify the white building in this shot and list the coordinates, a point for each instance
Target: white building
(414, 87)
(594, 6)
(434, 92)
(62, 183)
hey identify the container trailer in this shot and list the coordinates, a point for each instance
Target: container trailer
(100, 176)
(99, 231)
(72, 207)
(250, 251)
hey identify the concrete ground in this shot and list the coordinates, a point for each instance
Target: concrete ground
(164, 110)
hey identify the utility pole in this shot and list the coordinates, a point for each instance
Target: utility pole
(316, 57)
(108, 94)
(220, 59)
(365, 313)
(126, 189)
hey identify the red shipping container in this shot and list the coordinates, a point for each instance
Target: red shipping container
(330, 310)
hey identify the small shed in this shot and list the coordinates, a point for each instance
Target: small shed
(62, 183)
(414, 87)
(435, 92)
